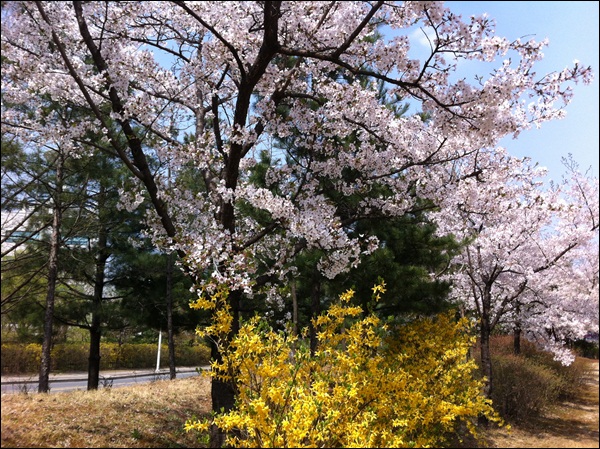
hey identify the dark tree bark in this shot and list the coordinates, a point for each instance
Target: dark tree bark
(485, 330)
(96, 325)
(94, 357)
(44, 385)
(223, 393)
(486, 359)
(517, 331)
(170, 330)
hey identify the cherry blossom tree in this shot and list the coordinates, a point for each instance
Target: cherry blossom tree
(530, 262)
(565, 294)
(201, 84)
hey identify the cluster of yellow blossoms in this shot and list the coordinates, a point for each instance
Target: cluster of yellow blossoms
(368, 385)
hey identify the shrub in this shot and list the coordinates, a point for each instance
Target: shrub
(522, 388)
(569, 378)
(192, 355)
(366, 386)
(70, 357)
(572, 378)
(20, 358)
(526, 385)
(25, 359)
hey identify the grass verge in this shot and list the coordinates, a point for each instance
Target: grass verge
(148, 415)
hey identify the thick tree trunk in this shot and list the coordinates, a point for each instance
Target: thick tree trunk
(94, 357)
(486, 358)
(517, 340)
(486, 365)
(44, 385)
(45, 364)
(223, 393)
(96, 331)
(223, 399)
(96, 326)
(517, 331)
(170, 331)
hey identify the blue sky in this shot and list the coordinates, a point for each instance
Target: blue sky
(572, 29)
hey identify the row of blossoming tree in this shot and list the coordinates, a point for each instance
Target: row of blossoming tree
(208, 86)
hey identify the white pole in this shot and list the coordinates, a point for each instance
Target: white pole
(158, 354)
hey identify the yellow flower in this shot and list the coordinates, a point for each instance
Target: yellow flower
(367, 385)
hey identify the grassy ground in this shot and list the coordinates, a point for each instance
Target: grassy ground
(148, 415)
(152, 415)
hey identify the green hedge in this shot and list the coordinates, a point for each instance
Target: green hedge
(25, 358)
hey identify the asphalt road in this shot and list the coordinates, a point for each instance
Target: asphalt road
(78, 381)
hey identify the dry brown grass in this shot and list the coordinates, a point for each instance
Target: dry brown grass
(152, 415)
(149, 415)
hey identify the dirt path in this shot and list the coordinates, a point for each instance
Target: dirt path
(572, 425)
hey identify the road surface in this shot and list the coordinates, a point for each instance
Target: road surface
(78, 381)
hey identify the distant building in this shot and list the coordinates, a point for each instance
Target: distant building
(14, 233)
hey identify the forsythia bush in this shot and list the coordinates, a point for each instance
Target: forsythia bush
(367, 385)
